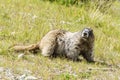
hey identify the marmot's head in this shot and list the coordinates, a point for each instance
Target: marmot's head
(87, 33)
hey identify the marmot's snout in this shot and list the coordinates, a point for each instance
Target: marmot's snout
(86, 32)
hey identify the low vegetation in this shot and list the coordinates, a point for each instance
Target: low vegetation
(27, 21)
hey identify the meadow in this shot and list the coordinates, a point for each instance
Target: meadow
(27, 21)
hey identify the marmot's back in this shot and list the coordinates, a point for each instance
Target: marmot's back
(49, 42)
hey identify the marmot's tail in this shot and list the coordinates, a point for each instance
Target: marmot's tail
(32, 47)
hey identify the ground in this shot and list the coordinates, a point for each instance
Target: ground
(27, 21)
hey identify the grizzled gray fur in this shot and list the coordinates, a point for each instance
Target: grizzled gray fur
(72, 45)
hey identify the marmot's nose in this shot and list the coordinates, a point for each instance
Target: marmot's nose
(85, 34)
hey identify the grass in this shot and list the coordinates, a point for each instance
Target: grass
(27, 21)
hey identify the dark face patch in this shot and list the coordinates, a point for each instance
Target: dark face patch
(87, 32)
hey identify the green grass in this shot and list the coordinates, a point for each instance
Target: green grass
(27, 21)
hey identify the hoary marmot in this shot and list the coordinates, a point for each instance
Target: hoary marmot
(65, 43)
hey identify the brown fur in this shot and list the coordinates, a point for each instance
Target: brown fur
(64, 43)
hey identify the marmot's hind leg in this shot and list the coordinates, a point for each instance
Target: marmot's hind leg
(48, 50)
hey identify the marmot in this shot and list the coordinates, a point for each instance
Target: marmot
(65, 43)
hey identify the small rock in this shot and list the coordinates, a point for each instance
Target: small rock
(20, 56)
(30, 78)
(22, 77)
(9, 74)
